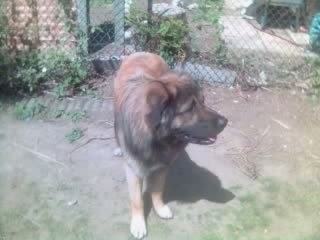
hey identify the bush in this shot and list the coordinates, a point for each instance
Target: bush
(315, 80)
(30, 71)
(167, 37)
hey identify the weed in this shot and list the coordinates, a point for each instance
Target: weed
(25, 111)
(68, 71)
(74, 135)
(210, 10)
(209, 13)
(77, 116)
(315, 80)
(57, 113)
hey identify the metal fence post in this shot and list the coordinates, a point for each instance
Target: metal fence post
(118, 19)
(83, 23)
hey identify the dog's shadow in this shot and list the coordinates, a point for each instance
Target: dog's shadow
(188, 183)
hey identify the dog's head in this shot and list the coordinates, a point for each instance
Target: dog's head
(175, 106)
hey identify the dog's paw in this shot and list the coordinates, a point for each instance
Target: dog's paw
(117, 152)
(164, 212)
(138, 228)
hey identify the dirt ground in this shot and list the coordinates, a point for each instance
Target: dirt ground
(259, 181)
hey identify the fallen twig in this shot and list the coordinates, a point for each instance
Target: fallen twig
(38, 154)
(281, 123)
(259, 140)
(90, 140)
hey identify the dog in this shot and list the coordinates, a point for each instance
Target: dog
(158, 112)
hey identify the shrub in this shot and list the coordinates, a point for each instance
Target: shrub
(31, 70)
(165, 36)
(315, 80)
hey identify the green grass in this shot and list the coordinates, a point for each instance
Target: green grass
(278, 211)
(24, 111)
(74, 135)
(41, 216)
(37, 216)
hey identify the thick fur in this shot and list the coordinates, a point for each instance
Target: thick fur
(152, 106)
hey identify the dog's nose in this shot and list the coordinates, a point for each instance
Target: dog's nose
(222, 122)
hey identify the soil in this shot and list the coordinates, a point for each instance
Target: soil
(258, 181)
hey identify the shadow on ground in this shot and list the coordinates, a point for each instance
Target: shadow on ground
(188, 183)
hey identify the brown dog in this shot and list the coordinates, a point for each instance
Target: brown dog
(157, 113)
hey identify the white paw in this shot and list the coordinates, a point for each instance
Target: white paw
(164, 212)
(117, 152)
(138, 228)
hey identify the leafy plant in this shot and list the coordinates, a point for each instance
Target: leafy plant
(166, 36)
(209, 13)
(25, 111)
(77, 116)
(30, 70)
(315, 80)
(65, 70)
(33, 69)
(210, 10)
(74, 135)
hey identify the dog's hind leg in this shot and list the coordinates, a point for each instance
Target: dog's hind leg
(157, 182)
(138, 224)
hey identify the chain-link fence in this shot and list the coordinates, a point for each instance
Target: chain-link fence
(220, 41)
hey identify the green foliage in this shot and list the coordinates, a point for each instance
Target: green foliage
(315, 80)
(77, 116)
(28, 71)
(25, 111)
(74, 135)
(165, 36)
(210, 10)
(68, 71)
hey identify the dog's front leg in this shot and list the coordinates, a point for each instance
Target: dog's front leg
(157, 183)
(138, 224)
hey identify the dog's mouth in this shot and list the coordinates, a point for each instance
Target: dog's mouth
(197, 140)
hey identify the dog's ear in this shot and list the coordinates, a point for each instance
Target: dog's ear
(157, 100)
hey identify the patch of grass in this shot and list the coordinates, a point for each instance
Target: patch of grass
(76, 116)
(276, 211)
(25, 111)
(38, 216)
(210, 10)
(75, 134)
(209, 13)
(270, 185)
(211, 237)
(57, 113)
(315, 80)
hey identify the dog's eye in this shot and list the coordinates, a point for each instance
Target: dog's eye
(188, 109)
